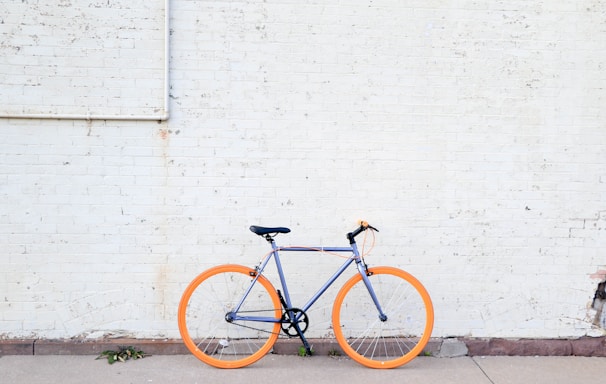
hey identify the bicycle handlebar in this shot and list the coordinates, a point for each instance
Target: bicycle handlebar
(363, 226)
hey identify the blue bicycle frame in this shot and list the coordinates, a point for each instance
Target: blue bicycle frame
(361, 267)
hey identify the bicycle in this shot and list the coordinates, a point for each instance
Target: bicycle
(230, 316)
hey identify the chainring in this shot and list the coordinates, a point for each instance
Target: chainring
(288, 323)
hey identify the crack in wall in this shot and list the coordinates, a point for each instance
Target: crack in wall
(598, 304)
(588, 223)
(592, 230)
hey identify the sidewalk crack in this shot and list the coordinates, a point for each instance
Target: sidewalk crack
(482, 369)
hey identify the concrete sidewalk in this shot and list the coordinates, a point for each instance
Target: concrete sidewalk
(185, 369)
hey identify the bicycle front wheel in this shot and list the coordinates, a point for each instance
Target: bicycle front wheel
(207, 327)
(387, 343)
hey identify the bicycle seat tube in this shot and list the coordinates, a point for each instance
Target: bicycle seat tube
(276, 256)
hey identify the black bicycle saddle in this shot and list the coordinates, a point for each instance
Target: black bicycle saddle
(267, 230)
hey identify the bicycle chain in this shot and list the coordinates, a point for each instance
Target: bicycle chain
(253, 328)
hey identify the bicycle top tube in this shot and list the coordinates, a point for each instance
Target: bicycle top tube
(314, 249)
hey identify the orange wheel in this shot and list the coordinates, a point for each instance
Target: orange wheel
(204, 325)
(398, 339)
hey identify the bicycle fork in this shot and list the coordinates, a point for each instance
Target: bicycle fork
(365, 273)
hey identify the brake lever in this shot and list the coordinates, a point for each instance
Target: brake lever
(364, 225)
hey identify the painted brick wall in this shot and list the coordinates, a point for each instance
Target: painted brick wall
(471, 133)
(86, 58)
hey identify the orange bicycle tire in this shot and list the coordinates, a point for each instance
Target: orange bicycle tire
(361, 350)
(240, 272)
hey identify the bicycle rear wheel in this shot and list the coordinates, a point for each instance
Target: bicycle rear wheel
(390, 343)
(203, 322)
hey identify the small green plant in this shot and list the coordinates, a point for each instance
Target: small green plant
(123, 354)
(303, 351)
(334, 352)
(427, 353)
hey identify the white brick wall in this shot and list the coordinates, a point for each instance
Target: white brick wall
(472, 134)
(82, 58)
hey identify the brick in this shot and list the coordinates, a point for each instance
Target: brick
(589, 346)
(519, 347)
(479, 347)
(16, 347)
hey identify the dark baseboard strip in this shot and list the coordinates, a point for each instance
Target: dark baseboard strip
(584, 346)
